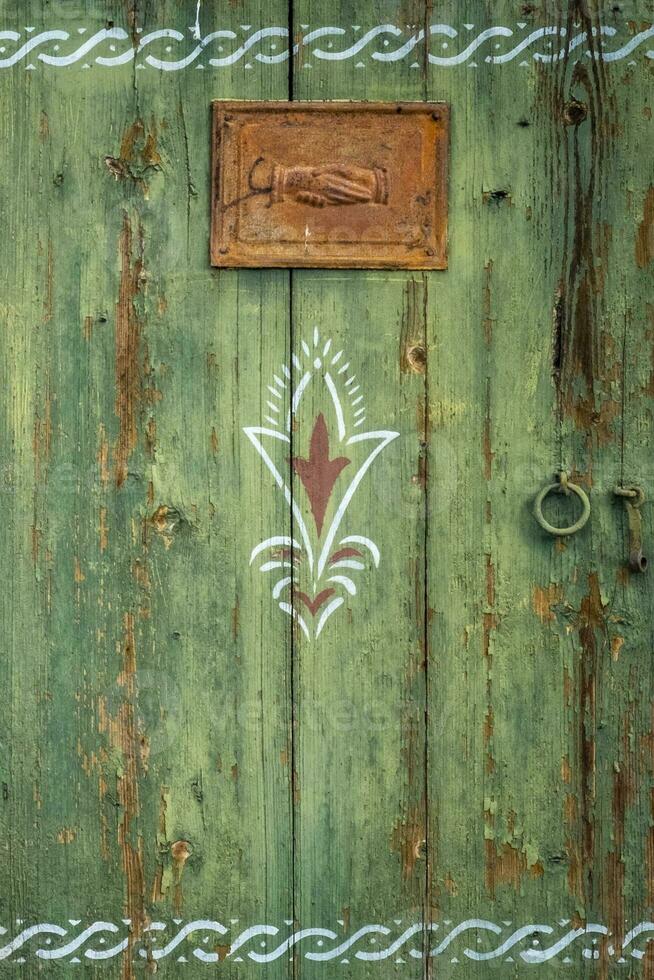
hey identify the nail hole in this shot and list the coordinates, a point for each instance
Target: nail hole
(497, 197)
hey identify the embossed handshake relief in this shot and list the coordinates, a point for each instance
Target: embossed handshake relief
(333, 184)
(330, 184)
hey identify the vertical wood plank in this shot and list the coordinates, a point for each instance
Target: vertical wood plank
(361, 687)
(149, 725)
(541, 774)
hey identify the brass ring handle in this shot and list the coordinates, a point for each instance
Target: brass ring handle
(563, 486)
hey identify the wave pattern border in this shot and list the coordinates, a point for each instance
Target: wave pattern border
(170, 50)
(474, 939)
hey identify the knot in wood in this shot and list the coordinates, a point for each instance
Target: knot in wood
(416, 358)
(574, 112)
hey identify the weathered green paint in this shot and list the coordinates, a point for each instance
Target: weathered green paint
(472, 736)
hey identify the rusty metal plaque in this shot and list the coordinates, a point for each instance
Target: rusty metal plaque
(330, 184)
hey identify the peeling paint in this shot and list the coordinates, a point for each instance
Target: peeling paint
(129, 325)
(544, 599)
(645, 234)
(408, 839)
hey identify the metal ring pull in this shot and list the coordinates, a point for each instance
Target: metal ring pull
(563, 485)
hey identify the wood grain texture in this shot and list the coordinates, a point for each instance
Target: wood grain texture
(149, 720)
(471, 734)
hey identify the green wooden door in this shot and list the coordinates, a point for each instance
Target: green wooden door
(442, 763)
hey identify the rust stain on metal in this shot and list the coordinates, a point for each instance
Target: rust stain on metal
(333, 185)
(330, 184)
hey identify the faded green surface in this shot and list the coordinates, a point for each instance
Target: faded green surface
(471, 736)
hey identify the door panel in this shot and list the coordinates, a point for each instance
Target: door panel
(426, 737)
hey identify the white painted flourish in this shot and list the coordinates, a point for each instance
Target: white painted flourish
(473, 939)
(316, 363)
(167, 49)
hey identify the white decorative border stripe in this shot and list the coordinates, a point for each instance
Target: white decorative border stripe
(474, 939)
(385, 43)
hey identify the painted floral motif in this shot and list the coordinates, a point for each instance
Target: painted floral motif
(318, 452)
